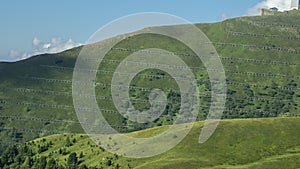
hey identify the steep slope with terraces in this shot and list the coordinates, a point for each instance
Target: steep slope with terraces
(260, 56)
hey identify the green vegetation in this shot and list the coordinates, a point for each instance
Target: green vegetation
(240, 143)
(260, 57)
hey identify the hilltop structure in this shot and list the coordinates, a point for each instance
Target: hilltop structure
(271, 11)
(295, 4)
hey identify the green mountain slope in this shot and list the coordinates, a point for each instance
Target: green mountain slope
(260, 57)
(240, 143)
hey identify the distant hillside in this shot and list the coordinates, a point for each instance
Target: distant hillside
(242, 143)
(260, 56)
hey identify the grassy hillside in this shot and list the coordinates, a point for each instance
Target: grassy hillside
(241, 143)
(260, 56)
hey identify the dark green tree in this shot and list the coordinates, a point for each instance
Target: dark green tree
(83, 167)
(109, 162)
(10, 154)
(81, 155)
(40, 163)
(27, 163)
(68, 142)
(51, 164)
(72, 161)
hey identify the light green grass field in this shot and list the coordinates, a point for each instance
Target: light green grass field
(240, 143)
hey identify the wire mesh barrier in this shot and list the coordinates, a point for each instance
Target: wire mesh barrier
(221, 57)
(21, 118)
(272, 62)
(28, 130)
(249, 34)
(261, 86)
(64, 107)
(269, 24)
(37, 91)
(52, 106)
(69, 94)
(263, 74)
(7, 143)
(178, 78)
(191, 55)
(149, 89)
(282, 49)
(181, 78)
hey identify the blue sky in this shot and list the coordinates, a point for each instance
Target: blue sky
(31, 25)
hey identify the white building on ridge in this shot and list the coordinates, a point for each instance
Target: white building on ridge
(295, 4)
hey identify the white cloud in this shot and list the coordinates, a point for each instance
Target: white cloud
(280, 4)
(36, 41)
(224, 16)
(58, 45)
(47, 46)
(24, 56)
(14, 54)
(55, 40)
(55, 45)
